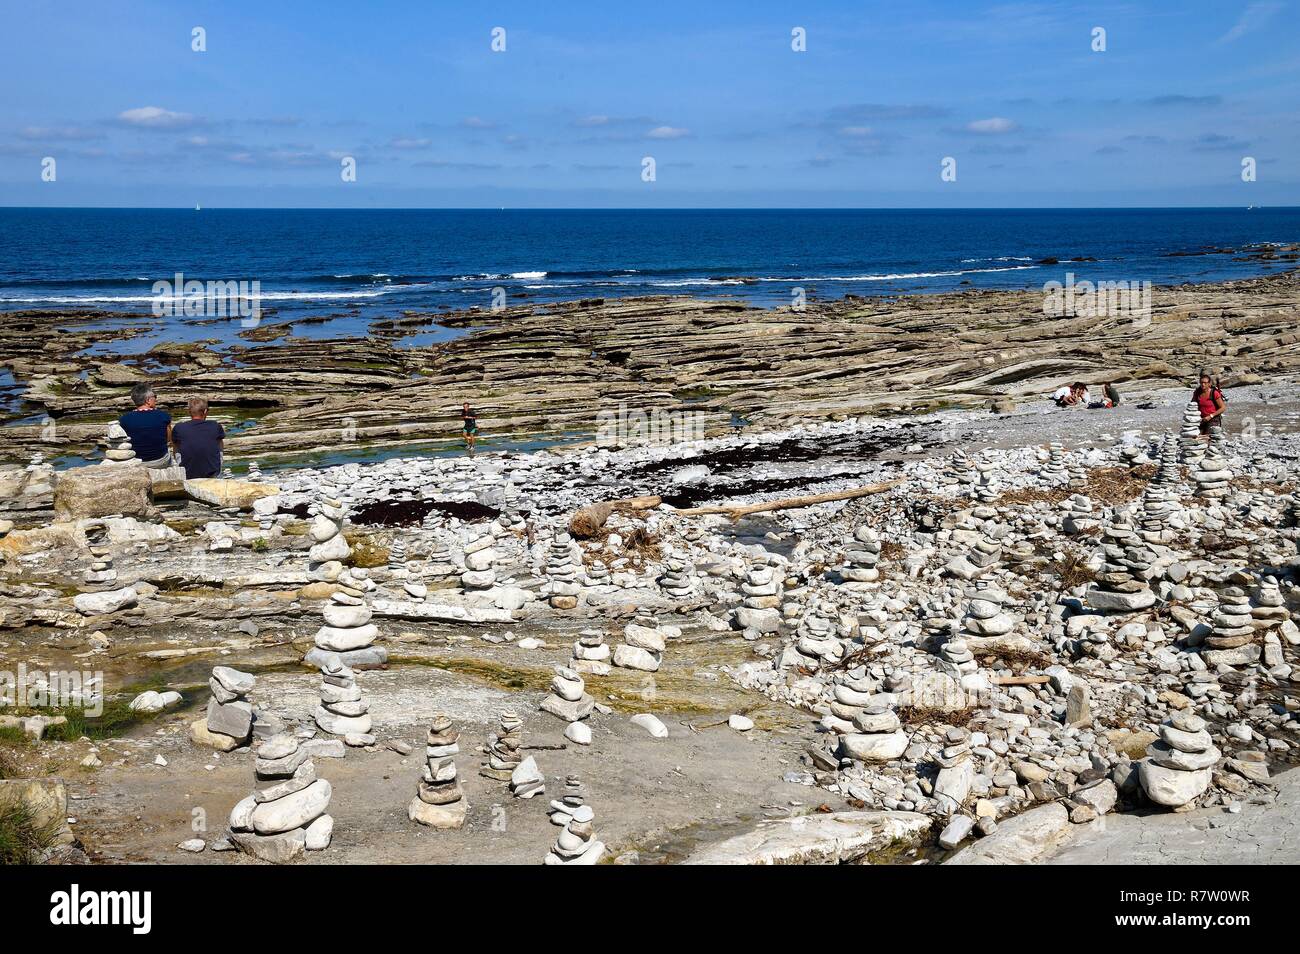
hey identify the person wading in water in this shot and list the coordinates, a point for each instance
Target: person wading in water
(470, 420)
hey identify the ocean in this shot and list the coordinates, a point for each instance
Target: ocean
(358, 265)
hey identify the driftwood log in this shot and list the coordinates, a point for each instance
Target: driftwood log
(791, 503)
(588, 521)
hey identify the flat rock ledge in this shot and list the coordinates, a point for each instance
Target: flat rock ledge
(835, 838)
(1025, 839)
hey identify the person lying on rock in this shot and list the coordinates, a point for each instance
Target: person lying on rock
(199, 441)
(149, 428)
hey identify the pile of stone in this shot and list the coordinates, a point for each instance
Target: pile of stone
(101, 575)
(676, 580)
(590, 654)
(229, 721)
(561, 809)
(1169, 472)
(852, 693)
(330, 547)
(878, 736)
(985, 554)
(1179, 767)
(1079, 515)
(1189, 436)
(439, 801)
(960, 471)
(117, 445)
(254, 471)
(984, 613)
(1159, 505)
(760, 609)
(861, 556)
(1078, 475)
(397, 556)
(1122, 585)
(568, 699)
(563, 572)
(440, 562)
(642, 647)
(1232, 641)
(503, 748)
(1211, 474)
(527, 779)
(1054, 472)
(577, 844)
(343, 708)
(1270, 605)
(816, 646)
(288, 814)
(348, 635)
(597, 573)
(986, 489)
(480, 555)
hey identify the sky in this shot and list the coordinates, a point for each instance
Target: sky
(561, 104)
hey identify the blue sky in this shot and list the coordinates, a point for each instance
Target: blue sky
(713, 92)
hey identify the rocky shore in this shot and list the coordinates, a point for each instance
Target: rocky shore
(547, 371)
(954, 636)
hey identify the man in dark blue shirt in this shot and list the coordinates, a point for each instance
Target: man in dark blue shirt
(199, 442)
(150, 429)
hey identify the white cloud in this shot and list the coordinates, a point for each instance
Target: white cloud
(668, 132)
(592, 121)
(475, 122)
(994, 125)
(155, 117)
(1252, 18)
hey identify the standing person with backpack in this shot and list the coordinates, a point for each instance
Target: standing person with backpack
(1210, 401)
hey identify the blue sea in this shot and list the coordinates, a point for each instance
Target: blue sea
(354, 266)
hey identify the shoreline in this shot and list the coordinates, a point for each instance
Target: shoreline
(547, 370)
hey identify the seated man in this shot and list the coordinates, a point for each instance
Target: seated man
(199, 442)
(150, 429)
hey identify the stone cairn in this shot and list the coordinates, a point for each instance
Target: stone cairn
(348, 632)
(878, 736)
(1192, 448)
(760, 608)
(1078, 475)
(1270, 605)
(1054, 471)
(1232, 640)
(1169, 472)
(101, 575)
(343, 709)
(960, 470)
(590, 654)
(503, 748)
(597, 573)
(1079, 515)
(1159, 505)
(676, 580)
(642, 647)
(480, 555)
(117, 445)
(1211, 474)
(861, 556)
(852, 693)
(288, 815)
(1121, 586)
(228, 724)
(439, 801)
(563, 570)
(397, 556)
(568, 699)
(254, 471)
(577, 844)
(986, 489)
(227, 474)
(440, 563)
(816, 644)
(1179, 767)
(561, 809)
(330, 548)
